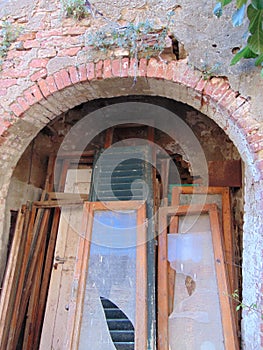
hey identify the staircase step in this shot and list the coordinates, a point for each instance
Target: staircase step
(113, 313)
(122, 336)
(124, 346)
(120, 323)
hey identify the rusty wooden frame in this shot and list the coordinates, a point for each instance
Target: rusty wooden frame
(76, 307)
(228, 323)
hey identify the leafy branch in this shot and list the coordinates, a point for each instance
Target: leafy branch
(254, 47)
(241, 305)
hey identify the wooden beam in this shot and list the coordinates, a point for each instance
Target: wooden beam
(58, 203)
(141, 282)
(165, 166)
(228, 238)
(11, 279)
(67, 196)
(40, 227)
(108, 138)
(49, 184)
(150, 133)
(46, 278)
(222, 282)
(63, 175)
(162, 288)
(75, 154)
(80, 276)
(29, 222)
(174, 227)
(33, 302)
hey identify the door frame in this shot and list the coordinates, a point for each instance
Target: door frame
(82, 265)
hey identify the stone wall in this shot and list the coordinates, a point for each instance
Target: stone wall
(49, 70)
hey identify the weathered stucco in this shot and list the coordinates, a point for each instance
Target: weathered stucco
(46, 73)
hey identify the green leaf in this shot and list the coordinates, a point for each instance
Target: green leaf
(238, 307)
(259, 60)
(240, 3)
(225, 2)
(235, 294)
(257, 4)
(244, 53)
(255, 42)
(255, 17)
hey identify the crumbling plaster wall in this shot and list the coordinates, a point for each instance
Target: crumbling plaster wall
(28, 180)
(50, 43)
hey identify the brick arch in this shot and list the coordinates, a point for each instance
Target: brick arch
(71, 86)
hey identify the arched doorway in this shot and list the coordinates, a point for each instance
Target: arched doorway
(177, 91)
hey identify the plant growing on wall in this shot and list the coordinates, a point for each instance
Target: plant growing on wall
(8, 35)
(138, 40)
(254, 46)
(77, 9)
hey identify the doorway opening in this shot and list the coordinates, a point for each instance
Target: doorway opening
(168, 175)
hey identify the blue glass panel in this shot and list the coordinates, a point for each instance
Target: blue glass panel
(111, 280)
(115, 229)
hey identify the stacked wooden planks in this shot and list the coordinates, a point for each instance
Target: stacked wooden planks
(27, 276)
(23, 286)
(26, 282)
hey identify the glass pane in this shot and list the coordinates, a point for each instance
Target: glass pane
(195, 322)
(111, 281)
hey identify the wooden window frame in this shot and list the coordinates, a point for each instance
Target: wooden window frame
(228, 323)
(80, 277)
(226, 222)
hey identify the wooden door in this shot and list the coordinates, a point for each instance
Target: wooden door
(60, 289)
